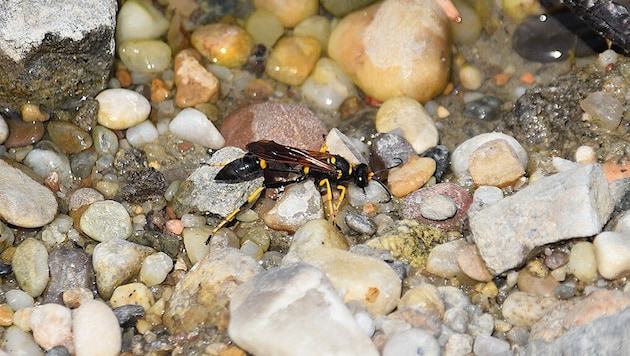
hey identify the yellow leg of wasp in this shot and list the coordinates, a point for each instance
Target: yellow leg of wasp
(252, 198)
(342, 194)
(328, 198)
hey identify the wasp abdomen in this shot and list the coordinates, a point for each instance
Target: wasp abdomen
(243, 169)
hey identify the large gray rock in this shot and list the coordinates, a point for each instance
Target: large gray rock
(54, 53)
(575, 203)
(294, 310)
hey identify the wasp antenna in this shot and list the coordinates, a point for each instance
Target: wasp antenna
(398, 159)
(389, 194)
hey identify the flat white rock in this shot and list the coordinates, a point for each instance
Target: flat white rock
(193, 125)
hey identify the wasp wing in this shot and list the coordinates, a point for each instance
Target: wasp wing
(273, 151)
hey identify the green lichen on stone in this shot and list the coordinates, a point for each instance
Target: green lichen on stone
(409, 240)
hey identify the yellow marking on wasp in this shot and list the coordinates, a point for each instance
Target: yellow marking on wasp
(263, 164)
(328, 198)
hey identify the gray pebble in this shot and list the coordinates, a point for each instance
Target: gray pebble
(128, 314)
(481, 324)
(105, 220)
(105, 141)
(412, 342)
(457, 319)
(453, 298)
(490, 346)
(81, 163)
(360, 223)
(442, 157)
(566, 290)
(58, 350)
(69, 268)
(438, 207)
(518, 335)
(486, 108)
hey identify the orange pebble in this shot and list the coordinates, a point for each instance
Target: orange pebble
(175, 226)
(372, 101)
(159, 90)
(614, 171)
(123, 77)
(527, 78)
(449, 88)
(500, 79)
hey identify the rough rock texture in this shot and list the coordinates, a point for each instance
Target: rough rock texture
(55, 53)
(570, 204)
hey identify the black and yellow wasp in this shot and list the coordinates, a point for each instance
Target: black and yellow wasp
(267, 156)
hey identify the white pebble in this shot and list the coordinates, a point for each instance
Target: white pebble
(43, 162)
(412, 118)
(95, 327)
(155, 268)
(585, 154)
(438, 207)
(612, 251)
(4, 130)
(582, 263)
(193, 125)
(144, 132)
(145, 56)
(604, 108)
(470, 77)
(18, 299)
(623, 223)
(488, 345)
(607, 57)
(52, 326)
(121, 109)
(328, 86)
(132, 293)
(105, 220)
(412, 342)
(195, 242)
(19, 343)
(139, 19)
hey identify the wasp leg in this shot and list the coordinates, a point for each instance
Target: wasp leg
(342, 194)
(328, 198)
(252, 198)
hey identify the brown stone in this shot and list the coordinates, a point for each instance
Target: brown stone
(471, 263)
(195, 84)
(23, 133)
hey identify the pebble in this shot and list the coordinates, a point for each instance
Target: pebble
(409, 177)
(293, 58)
(441, 262)
(442, 157)
(585, 155)
(264, 27)
(582, 262)
(462, 155)
(495, 163)
(468, 30)
(471, 263)
(106, 220)
(52, 326)
(75, 296)
(412, 204)
(141, 134)
(25, 202)
(145, 56)
(48, 159)
(18, 342)
(81, 164)
(69, 137)
(30, 266)
(195, 84)
(105, 141)
(458, 344)
(155, 268)
(360, 223)
(485, 108)
(457, 319)
(408, 115)
(69, 268)
(317, 26)
(116, 261)
(556, 259)
(128, 314)
(132, 293)
(139, 20)
(611, 253)
(566, 290)
(6, 315)
(195, 242)
(535, 285)
(327, 87)
(481, 324)
(193, 125)
(279, 294)
(604, 108)
(438, 207)
(486, 345)
(314, 234)
(223, 44)
(290, 13)
(300, 126)
(23, 133)
(95, 327)
(599, 303)
(32, 112)
(425, 297)
(4, 130)
(390, 150)
(18, 299)
(84, 196)
(412, 341)
(206, 292)
(382, 75)
(523, 309)
(470, 77)
(121, 109)
(298, 204)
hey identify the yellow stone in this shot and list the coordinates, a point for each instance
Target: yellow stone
(495, 163)
(224, 44)
(132, 293)
(410, 176)
(293, 58)
(6, 315)
(289, 12)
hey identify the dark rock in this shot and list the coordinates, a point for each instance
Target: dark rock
(87, 116)
(360, 223)
(5, 269)
(69, 268)
(167, 243)
(143, 185)
(55, 60)
(127, 160)
(442, 157)
(58, 350)
(127, 315)
(23, 133)
(389, 150)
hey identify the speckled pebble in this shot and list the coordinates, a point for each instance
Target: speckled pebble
(612, 252)
(314, 234)
(84, 196)
(105, 220)
(300, 203)
(462, 198)
(409, 177)
(121, 109)
(459, 344)
(52, 326)
(425, 297)
(390, 150)
(293, 58)
(223, 44)
(95, 327)
(360, 223)
(523, 309)
(412, 341)
(412, 118)
(438, 207)
(195, 84)
(132, 293)
(69, 268)
(30, 266)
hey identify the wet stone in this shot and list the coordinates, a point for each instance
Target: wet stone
(95, 327)
(389, 150)
(223, 44)
(82, 163)
(143, 185)
(87, 116)
(106, 220)
(69, 268)
(292, 59)
(486, 108)
(69, 137)
(105, 141)
(195, 84)
(442, 157)
(23, 133)
(412, 204)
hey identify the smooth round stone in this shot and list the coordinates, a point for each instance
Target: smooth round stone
(488, 345)
(44, 161)
(585, 155)
(469, 29)
(289, 12)
(410, 342)
(582, 263)
(145, 56)
(23, 133)
(545, 287)
(442, 259)
(95, 327)
(293, 59)
(314, 234)
(495, 163)
(4, 130)
(18, 342)
(106, 220)
(193, 125)
(413, 60)
(195, 84)
(328, 86)
(84, 196)
(30, 266)
(105, 141)
(470, 77)
(155, 268)
(410, 176)
(411, 117)
(139, 19)
(471, 263)
(195, 242)
(68, 136)
(612, 252)
(299, 204)
(264, 27)
(33, 112)
(425, 297)
(141, 134)
(121, 109)
(132, 293)
(523, 309)
(82, 163)
(454, 298)
(360, 223)
(52, 326)
(223, 44)
(438, 207)
(18, 299)
(316, 26)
